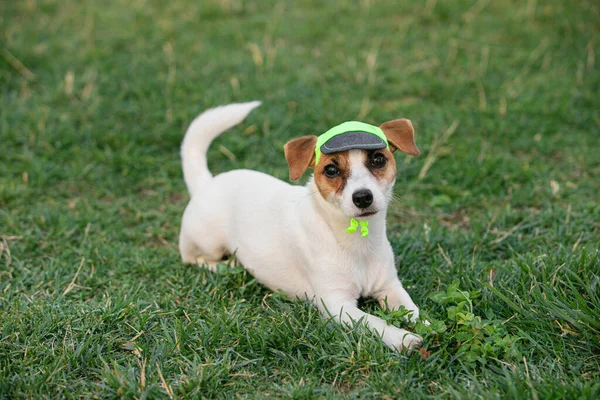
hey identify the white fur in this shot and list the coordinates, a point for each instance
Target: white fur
(289, 237)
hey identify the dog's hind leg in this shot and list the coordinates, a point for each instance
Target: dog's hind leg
(192, 253)
(188, 250)
(202, 238)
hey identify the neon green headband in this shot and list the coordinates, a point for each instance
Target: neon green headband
(349, 126)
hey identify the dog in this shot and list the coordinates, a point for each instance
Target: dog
(296, 238)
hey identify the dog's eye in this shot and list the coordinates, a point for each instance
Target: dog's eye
(378, 160)
(331, 171)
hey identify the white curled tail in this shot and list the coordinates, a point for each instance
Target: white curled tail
(202, 131)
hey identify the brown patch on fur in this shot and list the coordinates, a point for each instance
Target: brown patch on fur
(328, 186)
(385, 173)
(401, 135)
(300, 154)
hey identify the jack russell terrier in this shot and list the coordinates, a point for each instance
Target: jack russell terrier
(326, 241)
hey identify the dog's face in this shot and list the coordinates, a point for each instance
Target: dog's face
(358, 182)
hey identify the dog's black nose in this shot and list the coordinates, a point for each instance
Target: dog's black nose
(362, 198)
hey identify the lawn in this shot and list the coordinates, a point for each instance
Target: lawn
(495, 229)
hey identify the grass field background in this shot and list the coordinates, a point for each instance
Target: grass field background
(95, 98)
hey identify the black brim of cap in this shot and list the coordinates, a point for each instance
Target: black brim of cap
(353, 141)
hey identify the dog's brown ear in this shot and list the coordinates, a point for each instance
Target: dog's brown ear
(300, 154)
(401, 135)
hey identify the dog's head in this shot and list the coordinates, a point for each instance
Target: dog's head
(357, 181)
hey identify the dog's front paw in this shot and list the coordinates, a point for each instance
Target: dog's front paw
(412, 342)
(401, 339)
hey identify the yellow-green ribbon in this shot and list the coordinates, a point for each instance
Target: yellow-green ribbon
(364, 227)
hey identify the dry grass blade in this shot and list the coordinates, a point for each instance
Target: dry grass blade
(443, 253)
(143, 374)
(506, 235)
(5, 248)
(228, 153)
(436, 147)
(163, 382)
(72, 285)
(18, 65)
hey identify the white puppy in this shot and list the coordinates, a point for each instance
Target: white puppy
(295, 238)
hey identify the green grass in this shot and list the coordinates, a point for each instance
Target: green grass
(95, 98)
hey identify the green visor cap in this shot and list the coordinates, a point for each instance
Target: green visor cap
(350, 135)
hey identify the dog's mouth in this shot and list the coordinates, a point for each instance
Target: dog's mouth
(367, 214)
